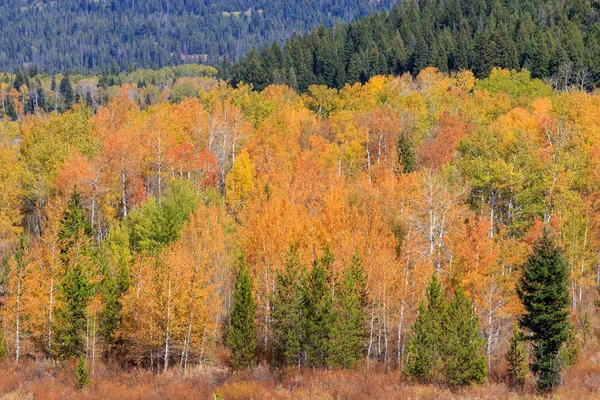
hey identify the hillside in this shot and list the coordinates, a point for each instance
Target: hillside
(552, 39)
(81, 35)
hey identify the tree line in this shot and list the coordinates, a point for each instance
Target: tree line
(552, 39)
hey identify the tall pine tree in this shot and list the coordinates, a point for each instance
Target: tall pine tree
(463, 351)
(241, 336)
(544, 292)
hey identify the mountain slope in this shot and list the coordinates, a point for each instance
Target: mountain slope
(89, 35)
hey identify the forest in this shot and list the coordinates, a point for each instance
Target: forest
(412, 236)
(555, 40)
(82, 36)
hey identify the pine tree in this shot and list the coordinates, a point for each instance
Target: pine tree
(516, 358)
(463, 349)
(241, 337)
(66, 90)
(289, 312)
(320, 318)
(350, 329)
(424, 343)
(75, 289)
(544, 292)
(82, 378)
(3, 349)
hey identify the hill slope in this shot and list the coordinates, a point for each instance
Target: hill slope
(551, 38)
(89, 35)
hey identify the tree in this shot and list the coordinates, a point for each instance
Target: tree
(241, 337)
(82, 378)
(320, 318)
(3, 349)
(75, 289)
(289, 312)
(517, 360)
(463, 348)
(544, 292)
(66, 90)
(350, 327)
(425, 340)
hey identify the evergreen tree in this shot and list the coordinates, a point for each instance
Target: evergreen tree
(463, 349)
(3, 349)
(350, 329)
(320, 318)
(66, 91)
(517, 362)
(289, 312)
(75, 289)
(544, 292)
(241, 337)
(82, 378)
(424, 343)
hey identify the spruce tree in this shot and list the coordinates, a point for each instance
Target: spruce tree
(241, 336)
(75, 289)
(424, 343)
(82, 378)
(350, 329)
(320, 318)
(3, 349)
(544, 292)
(66, 90)
(463, 348)
(288, 312)
(517, 362)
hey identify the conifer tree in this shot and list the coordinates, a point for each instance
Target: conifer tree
(289, 312)
(350, 327)
(75, 289)
(82, 378)
(241, 337)
(66, 90)
(3, 349)
(424, 343)
(463, 348)
(543, 290)
(320, 318)
(516, 358)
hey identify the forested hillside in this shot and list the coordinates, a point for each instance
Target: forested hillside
(81, 35)
(398, 238)
(559, 40)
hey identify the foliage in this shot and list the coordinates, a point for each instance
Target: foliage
(82, 378)
(517, 360)
(543, 289)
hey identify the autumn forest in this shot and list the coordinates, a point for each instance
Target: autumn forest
(413, 236)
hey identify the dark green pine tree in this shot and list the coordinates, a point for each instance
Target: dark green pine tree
(82, 378)
(544, 292)
(351, 331)
(425, 340)
(241, 336)
(116, 258)
(75, 289)
(320, 318)
(288, 312)
(66, 91)
(406, 155)
(517, 360)
(463, 351)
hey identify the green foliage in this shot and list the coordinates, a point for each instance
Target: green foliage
(351, 328)
(517, 360)
(75, 289)
(66, 92)
(463, 348)
(82, 378)
(514, 83)
(3, 349)
(425, 340)
(319, 318)
(544, 292)
(241, 337)
(154, 224)
(288, 312)
(569, 352)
